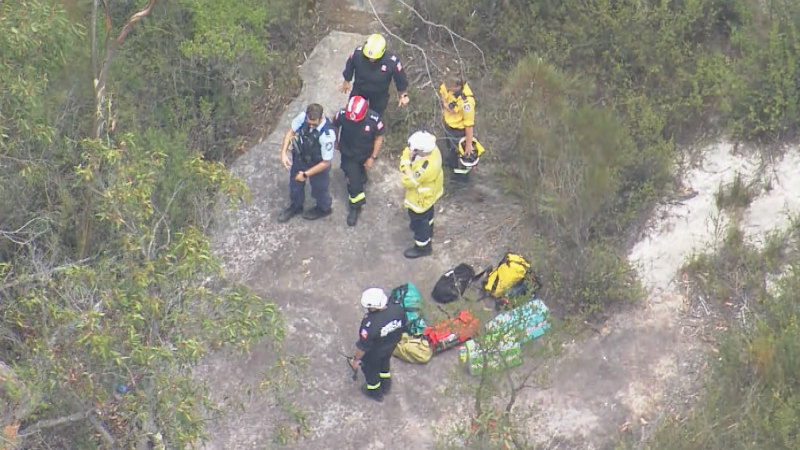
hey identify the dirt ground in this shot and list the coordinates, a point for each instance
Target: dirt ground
(621, 378)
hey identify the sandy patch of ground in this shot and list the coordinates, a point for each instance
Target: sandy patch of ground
(645, 359)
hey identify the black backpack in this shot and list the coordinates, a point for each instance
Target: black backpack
(452, 285)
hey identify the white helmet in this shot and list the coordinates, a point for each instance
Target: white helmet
(374, 298)
(422, 141)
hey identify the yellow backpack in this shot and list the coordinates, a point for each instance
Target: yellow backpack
(510, 271)
(413, 349)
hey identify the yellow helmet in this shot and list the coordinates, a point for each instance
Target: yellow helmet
(374, 47)
(472, 159)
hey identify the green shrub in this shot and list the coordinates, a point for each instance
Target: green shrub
(751, 399)
(736, 195)
(766, 91)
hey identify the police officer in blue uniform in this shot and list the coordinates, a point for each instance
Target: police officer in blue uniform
(360, 135)
(380, 331)
(374, 70)
(312, 139)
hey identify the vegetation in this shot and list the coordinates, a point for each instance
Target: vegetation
(596, 98)
(114, 119)
(750, 399)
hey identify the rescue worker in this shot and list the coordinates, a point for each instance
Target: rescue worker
(458, 105)
(312, 138)
(374, 70)
(422, 176)
(380, 331)
(360, 135)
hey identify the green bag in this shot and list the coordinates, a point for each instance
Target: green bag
(415, 350)
(408, 296)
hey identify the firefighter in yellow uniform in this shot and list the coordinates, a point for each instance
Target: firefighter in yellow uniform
(422, 176)
(458, 105)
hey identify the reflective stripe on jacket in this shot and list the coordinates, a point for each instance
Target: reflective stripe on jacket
(423, 179)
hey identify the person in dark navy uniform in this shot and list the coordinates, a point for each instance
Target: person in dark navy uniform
(374, 70)
(360, 135)
(379, 333)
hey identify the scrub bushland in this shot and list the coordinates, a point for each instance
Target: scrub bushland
(595, 102)
(110, 291)
(750, 397)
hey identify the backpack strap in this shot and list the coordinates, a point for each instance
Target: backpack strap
(481, 273)
(445, 312)
(399, 293)
(505, 260)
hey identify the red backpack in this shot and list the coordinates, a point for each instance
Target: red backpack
(452, 331)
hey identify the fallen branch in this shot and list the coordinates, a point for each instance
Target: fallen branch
(428, 61)
(100, 428)
(50, 423)
(450, 32)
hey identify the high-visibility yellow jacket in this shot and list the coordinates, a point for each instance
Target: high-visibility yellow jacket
(462, 108)
(423, 179)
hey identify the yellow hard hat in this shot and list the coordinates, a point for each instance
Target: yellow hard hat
(374, 47)
(472, 159)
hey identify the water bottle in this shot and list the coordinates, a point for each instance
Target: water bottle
(462, 354)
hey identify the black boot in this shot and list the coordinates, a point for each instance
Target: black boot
(386, 385)
(316, 213)
(352, 216)
(288, 213)
(372, 394)
(417, 251)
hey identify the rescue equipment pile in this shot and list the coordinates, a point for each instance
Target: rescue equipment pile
(496, 345)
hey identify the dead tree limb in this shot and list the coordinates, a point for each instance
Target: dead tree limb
(50, 423)
(428, 61)
(111, 49)
(453, 35)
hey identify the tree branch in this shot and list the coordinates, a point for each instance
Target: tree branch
(103, 431)
(43, 275)
(111, 49)
(515, 390)
(95, 6)
(420, 49)
(50, 423)
(450, 32)
(11, 235)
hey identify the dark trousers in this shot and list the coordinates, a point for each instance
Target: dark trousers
(452, 137)
(422, 226)
(356, 175)
(377, 102)
(376, 367)
(320, 187)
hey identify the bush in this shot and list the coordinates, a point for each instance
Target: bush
(751, 395)
(701, 64)
(752, 398)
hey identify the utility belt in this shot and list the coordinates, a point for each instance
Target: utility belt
(355, 153)
(370, 94)
(455, 131)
